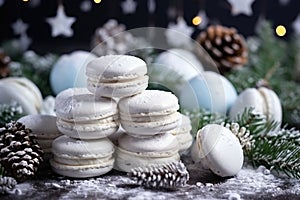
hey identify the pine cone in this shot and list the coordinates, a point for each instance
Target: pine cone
(227, 48)
(19, 152)
(4, 62)
(242, 134)
(168, 176)
(7, 184)
(111, 39)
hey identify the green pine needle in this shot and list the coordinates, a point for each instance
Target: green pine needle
(10, 112)
(2, 171)
(201, 117)
(278, 150)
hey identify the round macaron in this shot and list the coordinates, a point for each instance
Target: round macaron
(183, 133)
(217, 148)
(82, 115)
(43, 127)
(23, 91)
(135, 152)
(82, 158)
(117, 76)
(149, 113)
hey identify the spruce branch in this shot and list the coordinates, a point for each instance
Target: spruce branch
(278, 150)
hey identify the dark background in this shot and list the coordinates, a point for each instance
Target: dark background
(218, 11)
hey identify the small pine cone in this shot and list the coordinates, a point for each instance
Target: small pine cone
(227, 48)
(242, 134)
(169, 176)
(4, 62)
(7, 184)
(19, 152)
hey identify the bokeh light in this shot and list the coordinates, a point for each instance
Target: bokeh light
(280, 30)
(97, 1)
(197, 20)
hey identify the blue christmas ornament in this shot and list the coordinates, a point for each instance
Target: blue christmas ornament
(69, 71)
(209, 91)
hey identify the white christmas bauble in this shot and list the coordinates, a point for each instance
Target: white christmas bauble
(210, 91)
(218, 149)
(174, 67)
(69, 71)
(263, 100)
(23, 91)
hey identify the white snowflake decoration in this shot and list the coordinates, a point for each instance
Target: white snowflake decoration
(179, 35)
(296, 25)
(128, 6)
(61, 24)
(204, 19)
(241, 7)
(19, 27)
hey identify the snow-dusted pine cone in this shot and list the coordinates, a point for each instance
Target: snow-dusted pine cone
(168, 176)
(242, 134)
(227, 48)
(19, 152)
(7, 184)
(108, 40)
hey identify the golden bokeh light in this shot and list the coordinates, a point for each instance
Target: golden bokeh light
(280, 30)
(25, 0)
(197, 20)
(97, 1)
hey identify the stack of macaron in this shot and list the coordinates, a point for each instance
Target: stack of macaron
(145, 115)
(146, 118)
(116, 91)
(85, 121)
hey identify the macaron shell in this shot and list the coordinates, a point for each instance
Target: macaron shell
(115, 67)
(119, 89)
(158, 143)
(250, 97)
(151, 102)
(221, 149)
(151, 127)
(42, 126)
(29, 85)
(14, 92)
(92, 130)
(125, 160)
(274, 109)
(71, 148)
(80, 105)
(83, 171)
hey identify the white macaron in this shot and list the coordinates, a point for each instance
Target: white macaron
(82, 158)
(135, 152)
(43, 127)
(23, 91)
(183, 133)
(263, 100)
(149, 113)
(117, 76)
(218, 149)
(82, 115)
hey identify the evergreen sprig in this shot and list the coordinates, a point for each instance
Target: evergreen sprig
(267, 53)
(2, 171)
(278, 150)
(10, 112)
(201, 117)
